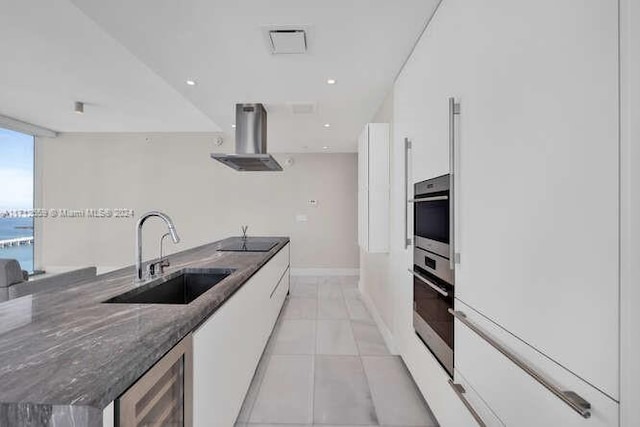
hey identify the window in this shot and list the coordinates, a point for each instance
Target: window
(16, 197)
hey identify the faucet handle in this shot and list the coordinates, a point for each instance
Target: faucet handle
(163, 264)
(244, 231)
(157, 268)
(151, 270)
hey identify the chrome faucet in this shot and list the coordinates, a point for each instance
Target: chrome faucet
(163, 263)
(172, 231)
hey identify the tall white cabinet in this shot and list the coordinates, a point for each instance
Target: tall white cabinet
(538, 186)
(537, 199)
(373, 188)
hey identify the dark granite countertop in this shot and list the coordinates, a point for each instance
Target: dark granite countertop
(64, 356)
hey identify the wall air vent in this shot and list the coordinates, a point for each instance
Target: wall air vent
(283, 40)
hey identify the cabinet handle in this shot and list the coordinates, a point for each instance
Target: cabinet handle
(432, 285)
(407, 147)
(577, 403)
(273, 291)
(460, 391)
(454, 110)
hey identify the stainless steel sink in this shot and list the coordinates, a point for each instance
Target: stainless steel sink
(180, 287)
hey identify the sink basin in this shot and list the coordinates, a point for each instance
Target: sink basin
(181, 287)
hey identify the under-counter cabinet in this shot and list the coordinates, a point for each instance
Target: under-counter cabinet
(227, 346)
(203, 380)
(373, 188)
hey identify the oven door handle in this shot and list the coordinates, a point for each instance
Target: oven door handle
(428, 199)
(432, 285)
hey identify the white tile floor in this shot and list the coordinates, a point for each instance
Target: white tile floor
(326, 364)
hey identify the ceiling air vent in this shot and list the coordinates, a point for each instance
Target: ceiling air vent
(302, 107)
(287, 40)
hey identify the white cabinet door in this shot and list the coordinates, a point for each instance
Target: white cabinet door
(431, 75)
(432, 380)
(373, 188)
(278, 295)
(228, 345)
(515, 396)
(378, 187)
(538, 175)
(363, 189)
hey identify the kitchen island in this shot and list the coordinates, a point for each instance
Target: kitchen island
(66, 355)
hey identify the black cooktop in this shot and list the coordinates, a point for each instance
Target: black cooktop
(241, 245)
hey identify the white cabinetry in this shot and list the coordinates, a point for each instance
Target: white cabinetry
(537, 188)
(515, 396)
(432, 380)
(108, 416)
(420, 98)
(228, 346)
(373, 188)
(537, 195)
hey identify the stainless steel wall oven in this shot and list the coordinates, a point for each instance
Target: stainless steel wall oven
(432, 216)
(433, 284)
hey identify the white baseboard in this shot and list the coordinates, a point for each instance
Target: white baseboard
(325, 271)
(373, 310)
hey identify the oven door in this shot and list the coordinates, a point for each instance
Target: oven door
(432, 299)
(431, 216)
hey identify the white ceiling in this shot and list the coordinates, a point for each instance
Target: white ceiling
(53, 55)
(132, 66)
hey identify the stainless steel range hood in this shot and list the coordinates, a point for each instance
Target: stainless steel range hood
(251, 142)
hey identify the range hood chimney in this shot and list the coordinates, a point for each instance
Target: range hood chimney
(251, 142)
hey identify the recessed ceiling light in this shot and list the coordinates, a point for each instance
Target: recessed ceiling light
(191, 82)
(331, 81)
(326, 147)
(233, 125)
(327, 125)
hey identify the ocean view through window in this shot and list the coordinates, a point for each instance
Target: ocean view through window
(16, 197)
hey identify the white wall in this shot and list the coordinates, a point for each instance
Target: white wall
(208, 201)
(374, 268)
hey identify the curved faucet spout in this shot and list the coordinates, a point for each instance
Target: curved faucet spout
(141, 221)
